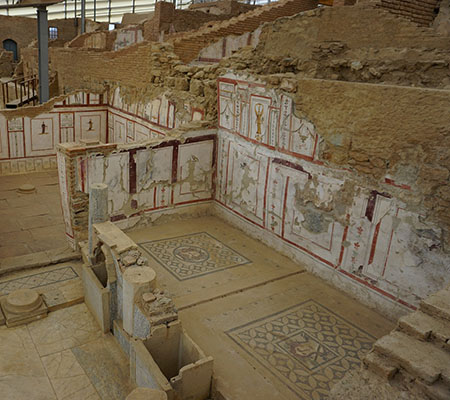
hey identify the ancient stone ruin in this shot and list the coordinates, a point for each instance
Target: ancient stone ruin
(225, 200)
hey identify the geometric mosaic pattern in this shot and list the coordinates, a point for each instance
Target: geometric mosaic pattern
(38, 280)
(307, 346)
(193, 255)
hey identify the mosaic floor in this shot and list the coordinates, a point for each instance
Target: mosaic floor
(193, 255)
(307, 346)
(276, 332)
(34, 281)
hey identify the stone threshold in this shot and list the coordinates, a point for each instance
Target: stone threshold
(39, 259)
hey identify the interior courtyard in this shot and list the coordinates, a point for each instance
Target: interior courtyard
(225, 200)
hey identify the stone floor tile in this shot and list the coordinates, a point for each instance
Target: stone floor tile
(64, 329)
(9, 224)
(68, 378)
(107, 367)
(13, 250)
(17, 387)
(18, 355)
(38, 221)
(15, 238)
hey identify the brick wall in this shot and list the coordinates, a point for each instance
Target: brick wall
(24, 30)
(189, 45)
(418, 11)
(169, 20)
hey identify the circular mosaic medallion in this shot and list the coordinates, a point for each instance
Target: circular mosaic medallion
(191, 254)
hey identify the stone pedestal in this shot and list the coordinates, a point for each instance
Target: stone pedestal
(23, 306)
(136, 280)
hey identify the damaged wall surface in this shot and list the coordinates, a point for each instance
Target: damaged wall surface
(349, 177)
(356, 227)
(28, 140)
(155, 178)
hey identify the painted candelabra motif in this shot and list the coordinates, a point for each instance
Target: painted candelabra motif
(259, 112)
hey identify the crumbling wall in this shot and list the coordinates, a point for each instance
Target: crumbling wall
(359, 43)
(108, 40)
(230, 7)
(188, 45)
(342, 178)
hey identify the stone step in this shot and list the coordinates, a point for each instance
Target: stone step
(437, 391)
(425, 327)
(420, 359)
(437, 304)
(380, 365)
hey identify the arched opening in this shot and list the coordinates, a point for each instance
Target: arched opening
(11, 45)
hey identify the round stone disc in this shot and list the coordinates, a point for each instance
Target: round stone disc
(23, 301)
(26, 188)
(139, 275)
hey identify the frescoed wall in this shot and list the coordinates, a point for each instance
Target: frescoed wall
(28, 144)
(141, 179)
(271, 182)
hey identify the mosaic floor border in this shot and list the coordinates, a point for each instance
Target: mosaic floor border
(38, 280)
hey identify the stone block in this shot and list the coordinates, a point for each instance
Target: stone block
(380, 365)
(438, 304)
(422, 360)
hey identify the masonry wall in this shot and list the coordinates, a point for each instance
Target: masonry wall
(24, 30)
(362, 220)
(422, 12)
(359, 43)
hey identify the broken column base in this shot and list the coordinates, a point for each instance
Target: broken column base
(23, 306)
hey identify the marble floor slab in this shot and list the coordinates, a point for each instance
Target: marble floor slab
(68, 378)
(22, 376)
(64, 329)
(62, 357)
(107, 366)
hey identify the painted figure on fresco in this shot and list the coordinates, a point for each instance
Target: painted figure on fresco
(44, 127)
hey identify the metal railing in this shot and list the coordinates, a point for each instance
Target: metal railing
(19, 91)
